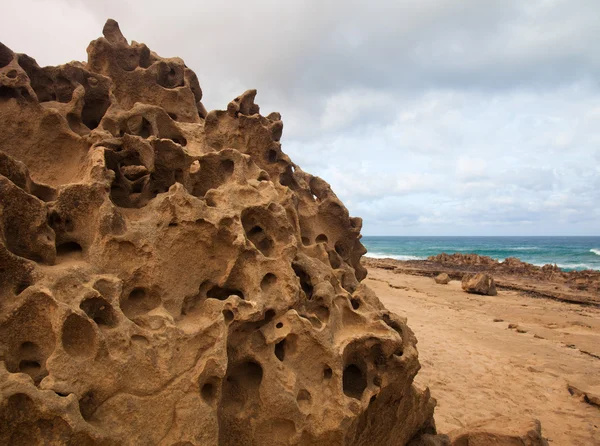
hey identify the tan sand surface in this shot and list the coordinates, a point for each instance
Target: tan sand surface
(478, 369)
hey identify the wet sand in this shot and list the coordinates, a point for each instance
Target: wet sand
(477, 368)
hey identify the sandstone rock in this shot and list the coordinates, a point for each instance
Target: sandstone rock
(442, 278)
(170, 276)
(501, 431)
(585, 394)
(479, 284)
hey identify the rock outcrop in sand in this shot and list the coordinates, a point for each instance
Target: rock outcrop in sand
(542, 281)
(169, 276)
(586, 281)
(442, 279)
(479, 284)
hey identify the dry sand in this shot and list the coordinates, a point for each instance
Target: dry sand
(478, 369)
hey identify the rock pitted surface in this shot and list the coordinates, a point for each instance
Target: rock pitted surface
(169, 276)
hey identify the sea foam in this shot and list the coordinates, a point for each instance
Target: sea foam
(380, 255)
(595, 251)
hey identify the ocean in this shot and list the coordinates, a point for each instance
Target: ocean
(569, 253)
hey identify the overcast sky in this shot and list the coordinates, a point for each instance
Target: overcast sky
(428, 117)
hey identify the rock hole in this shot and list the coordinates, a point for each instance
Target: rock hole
(355, 303)
(327, 373)
(280, 350)
(255, 230)
(303, 398)
(11, 74)
(78, 336)
(377, 381)
(269, 315)
(263, 176)
(268, 281)
(399, 352)
(94, 108)
(340, 249)
(139, 339)
(304, 280)
(139, 302)
(209, 391)
(180, 140)
(73, 121)
(373, 398)
(22, 286)
(272, 156)
(228, 315)
(279, 325)
(251, 222)
(100, 311)
(354, 381)
(265, 246)
(321, 238)
(31, 368)
(69, 249)
(223, 293)
(305, 241)
(145, 129)
(242, 384)
(173, 116)
(88, 405)
(227, 167)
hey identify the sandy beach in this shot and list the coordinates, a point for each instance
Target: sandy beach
(478, 368)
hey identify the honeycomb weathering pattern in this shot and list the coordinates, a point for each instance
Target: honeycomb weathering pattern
(169, 276)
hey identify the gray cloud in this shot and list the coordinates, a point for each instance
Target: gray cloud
(430, 117)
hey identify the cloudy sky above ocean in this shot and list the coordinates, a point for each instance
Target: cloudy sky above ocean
(431, 117)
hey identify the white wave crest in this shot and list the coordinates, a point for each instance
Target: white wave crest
(381, 255)
(595, 251)
(577, 266)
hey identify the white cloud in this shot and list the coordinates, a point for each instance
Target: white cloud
(437, 117)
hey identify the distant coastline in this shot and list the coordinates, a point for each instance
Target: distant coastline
(575, 253)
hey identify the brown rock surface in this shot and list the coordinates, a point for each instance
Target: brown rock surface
(169, 276)
(501, 431)
(479, 284)
(442, 279)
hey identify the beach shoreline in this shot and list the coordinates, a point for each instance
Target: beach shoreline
(549, 281)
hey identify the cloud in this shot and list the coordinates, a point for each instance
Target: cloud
(429, 117)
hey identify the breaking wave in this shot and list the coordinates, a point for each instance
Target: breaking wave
(381, 255)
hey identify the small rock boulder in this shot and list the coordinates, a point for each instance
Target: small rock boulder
(501, 431)
(442, 278)
(479, 284)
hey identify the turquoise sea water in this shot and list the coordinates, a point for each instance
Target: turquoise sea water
(569, 253)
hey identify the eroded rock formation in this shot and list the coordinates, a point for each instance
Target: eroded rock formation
(169, 276)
